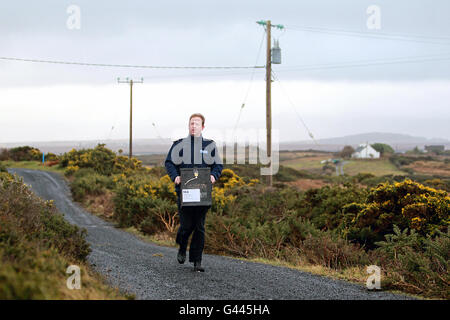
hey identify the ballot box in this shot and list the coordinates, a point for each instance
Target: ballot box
(195, 186)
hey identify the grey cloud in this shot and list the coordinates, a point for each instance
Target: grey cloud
(177, 32)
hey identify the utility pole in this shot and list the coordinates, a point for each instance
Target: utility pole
(269, 99)
(131, 109)
(268, 26)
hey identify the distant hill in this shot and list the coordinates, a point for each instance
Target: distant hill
(399, 142)
(140, 146)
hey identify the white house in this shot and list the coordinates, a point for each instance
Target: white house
(365, 151)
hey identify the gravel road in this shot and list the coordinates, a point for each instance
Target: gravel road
(152, 272)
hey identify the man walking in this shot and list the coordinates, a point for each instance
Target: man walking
(203, 154)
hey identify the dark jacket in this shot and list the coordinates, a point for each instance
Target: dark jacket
(203, 153)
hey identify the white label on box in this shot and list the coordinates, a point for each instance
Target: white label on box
(191, 195)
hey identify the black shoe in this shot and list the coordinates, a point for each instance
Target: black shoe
(198, 267)
(181, 257)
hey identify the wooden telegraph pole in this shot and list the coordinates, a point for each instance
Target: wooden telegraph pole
(131, 110)
(269, 26)
(269, 100)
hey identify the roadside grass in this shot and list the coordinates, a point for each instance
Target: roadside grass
(42, 276)
(355, 275)
(37, 246)
(32, 165)
(163, 238)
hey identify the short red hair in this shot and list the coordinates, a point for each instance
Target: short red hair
(198, 115)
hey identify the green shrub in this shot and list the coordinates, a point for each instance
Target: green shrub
(416, 264)
(299, 229)
(400, 161)
(162, 215)
(90, 184)
(360, 177)
(131, 201)
(331, 251)
(146, 203)
(438, 184)
(24, 216)
(382, 148)
(324, 206)
(80, 173)
(375, 181)
(406, 204)
(36, 247)
(4, 154)
(25, 153)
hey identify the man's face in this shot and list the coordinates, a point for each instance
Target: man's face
(195, 126)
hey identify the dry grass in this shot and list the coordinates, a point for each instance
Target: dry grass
(378, 167)
(305, 184)
(430, 168)
(161, 238)
(93, 287)
(101, 206)
(311, 162)
(305, 163)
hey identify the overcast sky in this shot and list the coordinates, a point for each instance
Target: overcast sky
(348, 67)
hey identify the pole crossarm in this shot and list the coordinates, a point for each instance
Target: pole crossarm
(264, 23)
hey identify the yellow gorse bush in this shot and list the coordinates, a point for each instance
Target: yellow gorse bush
(408, 204)
(161, 188)
(221, 193)
(220, 199)
(71, 169)
(102, 160)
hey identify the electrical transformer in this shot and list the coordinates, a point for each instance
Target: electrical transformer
(276, 53)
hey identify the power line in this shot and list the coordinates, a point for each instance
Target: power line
(157, 132)
(125, 65)
(188, 75)
(381, 36)
(373, 62)
(360, 63)
(250, 84)
(324, 66)
(405, 35)
(294, 108)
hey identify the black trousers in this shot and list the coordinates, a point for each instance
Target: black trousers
(192, 220)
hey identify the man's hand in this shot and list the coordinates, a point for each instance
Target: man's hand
(177, 180)
(213, 179)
